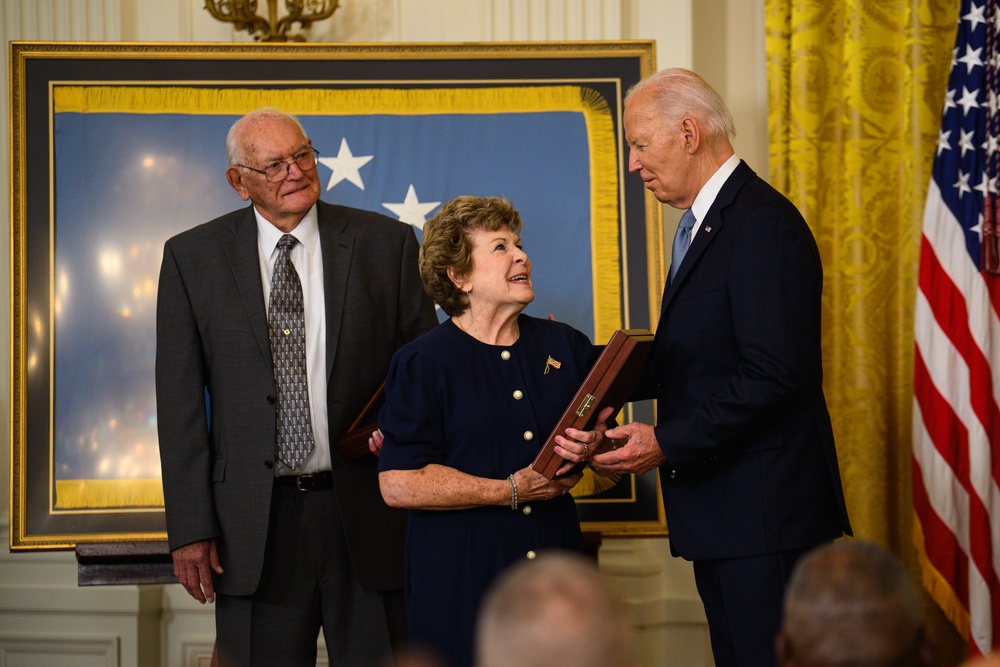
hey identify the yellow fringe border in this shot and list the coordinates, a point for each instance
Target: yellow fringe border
(80, 494)
(604, 197)
(942, 592)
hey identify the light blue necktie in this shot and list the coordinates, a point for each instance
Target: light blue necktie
(682, 241)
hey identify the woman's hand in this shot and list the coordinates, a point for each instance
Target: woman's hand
(581, 446)
(533, 486)
(375, 442)
(438, 487)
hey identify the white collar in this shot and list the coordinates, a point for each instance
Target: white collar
(709, 191)
(307, 231)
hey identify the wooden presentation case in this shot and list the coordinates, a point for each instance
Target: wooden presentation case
(609, 383)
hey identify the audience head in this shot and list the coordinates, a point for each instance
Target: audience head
(554, 610)
(447, 245)
(851, 603)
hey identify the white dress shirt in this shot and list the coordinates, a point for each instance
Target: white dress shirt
(307, 257)
(709, 191)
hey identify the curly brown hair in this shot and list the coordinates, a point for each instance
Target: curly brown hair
(446, 244)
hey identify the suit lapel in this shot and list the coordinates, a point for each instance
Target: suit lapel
(337, 247)
(709, 229)
(244, 260)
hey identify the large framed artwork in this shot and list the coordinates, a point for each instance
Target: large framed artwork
(116, 147)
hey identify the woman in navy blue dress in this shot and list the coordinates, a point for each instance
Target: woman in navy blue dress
(468, 406)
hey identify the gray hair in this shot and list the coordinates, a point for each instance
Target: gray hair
(235, 148)
(555, 610)
(679, 92)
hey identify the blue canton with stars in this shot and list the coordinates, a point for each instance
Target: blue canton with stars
(128, 181)
(961, 167)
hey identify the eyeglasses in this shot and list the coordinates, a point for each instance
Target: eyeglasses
(278, 171)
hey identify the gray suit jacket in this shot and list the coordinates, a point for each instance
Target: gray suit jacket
(215, 390)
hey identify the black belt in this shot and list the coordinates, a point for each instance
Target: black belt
(316, 481)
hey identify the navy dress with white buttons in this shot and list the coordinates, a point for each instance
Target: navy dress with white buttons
(484, 410)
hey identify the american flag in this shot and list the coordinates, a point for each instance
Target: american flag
(956, 418)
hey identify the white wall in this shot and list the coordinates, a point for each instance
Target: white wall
(44, 617)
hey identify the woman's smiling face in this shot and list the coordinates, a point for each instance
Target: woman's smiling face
(501, 270)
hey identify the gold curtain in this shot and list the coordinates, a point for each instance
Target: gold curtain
(856, 89)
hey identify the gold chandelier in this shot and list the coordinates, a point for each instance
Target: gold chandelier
(243, 15)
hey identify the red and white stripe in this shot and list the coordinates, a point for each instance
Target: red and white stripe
(956, 428)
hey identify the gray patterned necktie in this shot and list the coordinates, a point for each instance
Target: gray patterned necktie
(287, 328)
(682, 241)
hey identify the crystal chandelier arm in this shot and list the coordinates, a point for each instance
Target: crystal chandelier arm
(296, 13)
(243, 15)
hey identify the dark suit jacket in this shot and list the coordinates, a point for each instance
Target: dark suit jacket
(737, 373)
(212, 337)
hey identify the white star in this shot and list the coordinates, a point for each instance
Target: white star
(975, 16)
(991, 102)
(345, 166)
(991, 144)
(983, 186)
(965, 140)
(963, 184)
(943, 143)
(411, 211)
(971, 58)
(978, 228)
(968, 100)
(949, 100)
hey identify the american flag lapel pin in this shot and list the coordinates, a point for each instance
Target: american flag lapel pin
(551, 363)
(708, 230)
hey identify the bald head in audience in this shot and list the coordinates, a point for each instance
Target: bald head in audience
(852, 603)
(554, 610)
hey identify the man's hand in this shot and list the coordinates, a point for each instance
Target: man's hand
(193, 567)
(641, 453)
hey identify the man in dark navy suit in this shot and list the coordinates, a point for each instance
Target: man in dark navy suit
(743, 438)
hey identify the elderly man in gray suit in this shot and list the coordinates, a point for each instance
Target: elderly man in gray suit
(275, 324)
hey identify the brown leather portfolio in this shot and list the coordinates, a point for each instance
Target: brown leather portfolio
(609, 383)
(354, 443)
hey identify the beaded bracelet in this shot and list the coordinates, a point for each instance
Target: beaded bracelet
(513, 493)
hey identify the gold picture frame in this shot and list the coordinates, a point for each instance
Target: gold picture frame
(86, 238)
